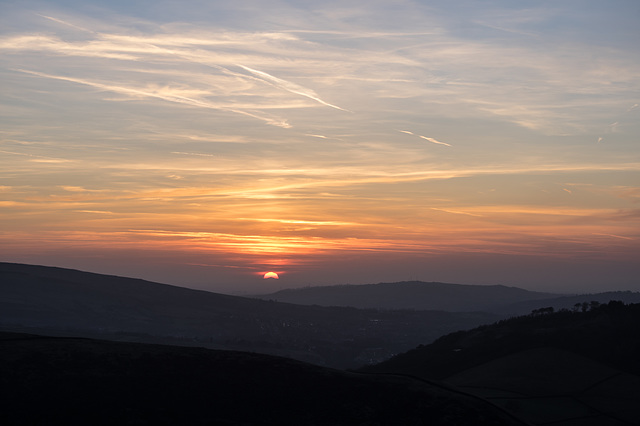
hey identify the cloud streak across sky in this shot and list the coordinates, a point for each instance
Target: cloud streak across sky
(414, 137)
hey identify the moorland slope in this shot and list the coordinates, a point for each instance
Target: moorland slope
(574, 367)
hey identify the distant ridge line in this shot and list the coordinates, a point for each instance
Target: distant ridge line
(417, 295)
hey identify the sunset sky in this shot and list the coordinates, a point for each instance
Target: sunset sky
(204, 143)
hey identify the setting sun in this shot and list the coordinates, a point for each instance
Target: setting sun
(271, 275)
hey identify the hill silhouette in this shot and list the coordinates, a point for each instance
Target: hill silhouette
(571, 367)
(71, 381)
(416, 295)
(57, 301)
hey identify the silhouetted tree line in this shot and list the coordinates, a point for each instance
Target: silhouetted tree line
(579, 307)
(542, 311)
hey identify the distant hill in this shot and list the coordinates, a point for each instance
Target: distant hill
(411, 295)
(57, 301)
(564, 368)
(70, 381)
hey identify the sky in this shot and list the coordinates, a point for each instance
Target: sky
(205, 143)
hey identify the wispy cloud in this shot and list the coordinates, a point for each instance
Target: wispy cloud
(614, 236)
(38, 158)
(456, 212)
(404, 66)
(197, 154)
(160, 94)
(95, 212)
(302, 222)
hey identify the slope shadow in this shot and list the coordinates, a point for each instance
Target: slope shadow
(71, 381)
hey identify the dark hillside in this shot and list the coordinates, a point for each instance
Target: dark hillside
(567, 368)
(608, 333)
(69, 381)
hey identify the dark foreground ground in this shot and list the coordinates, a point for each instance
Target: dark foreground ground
(71, 381)
(570, 368)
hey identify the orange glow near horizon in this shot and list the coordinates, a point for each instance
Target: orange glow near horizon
(230, 150)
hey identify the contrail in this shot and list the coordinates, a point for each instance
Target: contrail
(432, 140)
(60, 21)
(290, 87)
(613, 235)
